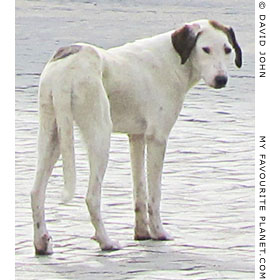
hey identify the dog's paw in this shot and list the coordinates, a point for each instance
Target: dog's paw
(44, 245)
(110, 246)
(142, 235)
(162, 236)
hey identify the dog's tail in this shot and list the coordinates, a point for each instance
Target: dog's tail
(64, 120)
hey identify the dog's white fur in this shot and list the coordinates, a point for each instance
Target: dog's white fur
(137, 89)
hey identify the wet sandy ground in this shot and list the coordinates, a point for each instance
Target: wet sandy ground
(208, 180)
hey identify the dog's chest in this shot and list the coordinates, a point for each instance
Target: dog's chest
(139, 104)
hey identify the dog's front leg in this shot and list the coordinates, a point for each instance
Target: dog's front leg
(155, 155)
(137, 155)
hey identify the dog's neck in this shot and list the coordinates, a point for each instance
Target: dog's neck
(161, 48)
(165, 45)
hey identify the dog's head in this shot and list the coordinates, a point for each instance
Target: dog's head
(209, 46)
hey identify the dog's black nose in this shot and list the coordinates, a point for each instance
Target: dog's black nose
(220, 81)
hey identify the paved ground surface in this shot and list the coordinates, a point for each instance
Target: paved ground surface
(208, 180)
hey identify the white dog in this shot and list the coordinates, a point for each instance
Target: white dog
(137, 89)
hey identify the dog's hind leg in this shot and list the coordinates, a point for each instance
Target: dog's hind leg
(48, 153)
(92, 114)
(137, 154)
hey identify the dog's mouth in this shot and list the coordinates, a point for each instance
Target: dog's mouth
(218, 86)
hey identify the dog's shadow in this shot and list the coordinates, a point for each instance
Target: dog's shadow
(140, 259)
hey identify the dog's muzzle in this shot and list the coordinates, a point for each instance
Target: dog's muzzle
(220, 81)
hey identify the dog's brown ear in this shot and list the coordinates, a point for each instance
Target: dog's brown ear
(184, 40)
(232, 39)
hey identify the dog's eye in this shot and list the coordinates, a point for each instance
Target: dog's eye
(228, 50)
(206, 50)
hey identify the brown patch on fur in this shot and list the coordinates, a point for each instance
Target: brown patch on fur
(184, 40)
(218, 26)
(66, 51)
(232, 39)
